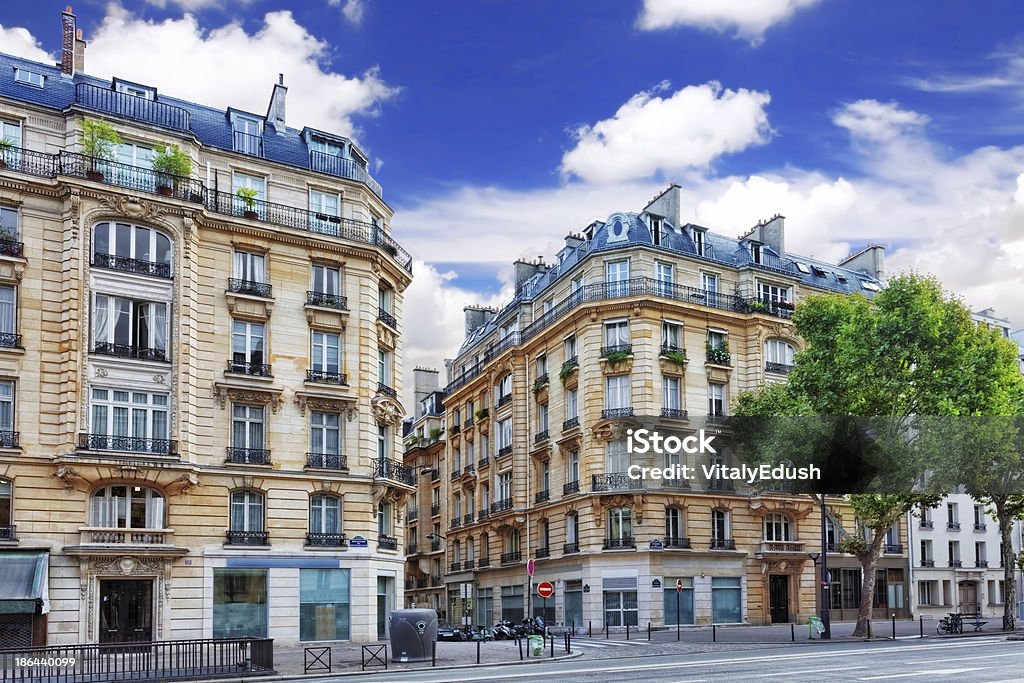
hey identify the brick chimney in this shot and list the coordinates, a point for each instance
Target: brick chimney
(72, 47)
(275, 112)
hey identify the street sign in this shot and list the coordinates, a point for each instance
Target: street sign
(529, 566)
(656, 544)
(679, 585)
(545, 589)
(358, 542)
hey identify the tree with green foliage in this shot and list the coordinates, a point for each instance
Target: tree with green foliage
(910, 351)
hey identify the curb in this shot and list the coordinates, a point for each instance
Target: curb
(377, 670)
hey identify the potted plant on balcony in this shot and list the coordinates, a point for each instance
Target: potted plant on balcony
(6, 145)
(170, 163)
(481, 413)
(757, 306)
(98, 142)
(677, 356)
(248, 197)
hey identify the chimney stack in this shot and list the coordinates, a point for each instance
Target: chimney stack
(870, 260)
(68, 42)
(275, 112)
(477, 316)
(79, 52)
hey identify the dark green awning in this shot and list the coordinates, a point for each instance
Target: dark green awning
(23, 577)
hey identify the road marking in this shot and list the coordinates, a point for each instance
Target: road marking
(811, 671)
(960, 659)
(932, 672)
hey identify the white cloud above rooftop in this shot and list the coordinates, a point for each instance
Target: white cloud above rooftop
(746, 19)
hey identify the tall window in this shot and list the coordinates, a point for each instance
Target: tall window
(127, 507)
(671, 393)
(8, 316)
(709, 283)
(250, 267)
(325, 354)
(504, 435)
(12, 131)
(927, 553)
(252, 182)
(617, 392)
(671, 336)
(545, 475)
(569, 347)
(7, 414)
(504, 486)
(673, 525)
(700, 242)
(953, 548)
(326, 280)
(324, 604)
(324, 514)
(248, 134)
(720, 525)
(716, 339)
(572, 404)
(777, 528)
(617, 275)
(572, 467)
(617, 456)
(130, 328)
(620, 524)
(543, 534)
(542, 417)
(323, 206)
(385, 299)
(325, 433)
(572, 528)
(114, 243)
(778, 353)
(504, 388)
(666, 276)
(134, 414)
(384, 519)
(616, 333)
(541, 365)
(247, 428)
(6, 509)
(384, 367)
(247, 347)
(9, 222)
(246, 511)
(512, 541)
(716, 399)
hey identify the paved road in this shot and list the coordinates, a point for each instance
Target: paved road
(985, 659)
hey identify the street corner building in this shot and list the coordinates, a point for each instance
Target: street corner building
(642, 321)
(199, 363)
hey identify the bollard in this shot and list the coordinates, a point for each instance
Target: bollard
(606, 630)
(590, 633)
(869, 629)
(573, 628)
(792, 633)
(568, 644)
(478, 652)
(627, 630)
(648, 631)
(552, 646)
(920, 621)
(677, 627)
(714, 633)
(433, 653)
(520, 641)
(894, 626)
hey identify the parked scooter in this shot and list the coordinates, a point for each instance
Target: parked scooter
(503, 631)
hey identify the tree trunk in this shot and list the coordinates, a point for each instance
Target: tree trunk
(1007, 558)
(868, 562)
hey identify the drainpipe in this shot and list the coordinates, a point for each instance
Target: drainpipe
(911, 587)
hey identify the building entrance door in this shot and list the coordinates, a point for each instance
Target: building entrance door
(126, 611)
(968, 597)
(778, 589)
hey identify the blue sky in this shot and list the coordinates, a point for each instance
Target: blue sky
(499, 126)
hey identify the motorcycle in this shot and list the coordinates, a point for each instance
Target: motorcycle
(503, 631)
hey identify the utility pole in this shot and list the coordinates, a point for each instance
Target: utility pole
(826, 584)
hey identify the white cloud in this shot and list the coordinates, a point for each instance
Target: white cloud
(19, 42)
(169, 54)
(194, 5)
(878, 121)
(354, 10)
(749, 19)
(1008, 75)
(651, 134)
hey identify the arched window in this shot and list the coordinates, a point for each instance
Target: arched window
(247, 519)
(7, 511)
(512, 542)
(778, 355)
(777, 528)
(470, 551)
(131, 248)
(127, 507)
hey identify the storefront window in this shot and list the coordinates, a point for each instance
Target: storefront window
(726, 600)
(324, 604)
(239, 603)
(620, 608)
(684, 598)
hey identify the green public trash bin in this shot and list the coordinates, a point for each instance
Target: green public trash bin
(814, 625)
(535, 644)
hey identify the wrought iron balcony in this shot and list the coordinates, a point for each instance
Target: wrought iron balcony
(504, 400)
(926, 524)
(467, 518)
(455, 522)
(927, 563)
(327, 540)
(127, 444)
(667, 349)
(395, 471)
(542, 496)
(470, 468)
(455, 567)
(9, 247)
(541, 437)
(832, 548)
(436, 581)
(242, 367)
(248, 456)
(721, 485)
(620, 543)
(779, 368)
(387, 318)
(980, 527)
(468, 423)
(250, 287)
(325, 377)
(893, 548)
(131, 106)
(130, 177)
(412, 514)
(9, 439)
(677, 542)
(571, 487)
(482, 463)
(435, 545)
(435, 475)
(571, 423)
(981, 564)
(616, 349)
(573, 547)
(504, 450)
(327, 461)
(541, 553)
(385, 542)
(718, 418)
(412, 549)
(615, 413)
(501, 505)
(129, 351)
(385, 390)
(248, 538)
(9, 340)
(470, 564)
(8, 533)
(512, 557)
(123, 264)
(723, 544)
(456, 473)
(955, 563)
(247, 143)
(615, 481)
(31, 162)
(717, 356)
(484, 562)
(325, 300)
(483, 514)
(953, 526)
(673, 413)
(335, 165)
(435, 509)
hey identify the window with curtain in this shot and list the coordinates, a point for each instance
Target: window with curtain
(250, 267)
(620, 524)
(120, 324)
(671, 393)
(8, 311)
(129, 241)
(616, 456)
(326, 280)
(247, 428)
(8, 222)
(325, 354)
(118, 412)
(247, 343)
(6, 505)
(616, 333)
(6, 407)
(324, 514)
(246, 511)
(618, 392)
(325, 433)
(127, 507)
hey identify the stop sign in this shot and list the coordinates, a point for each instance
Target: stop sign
(679, 585)
(545, 589)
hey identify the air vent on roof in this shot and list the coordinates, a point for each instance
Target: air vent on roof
(841, 277)
(802, 267)
(870, 286)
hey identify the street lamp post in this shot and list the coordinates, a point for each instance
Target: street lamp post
(826, 587)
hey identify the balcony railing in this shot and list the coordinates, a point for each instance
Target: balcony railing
(894, 548)
(956, 563)
(501, 505)
(468, 423)
(385, 542)
(248, 456)
(832, 548)
(248, 538)
(677, 542)
(247, 143)
(395, 471)
(504, 450)
(327, 461)
(8, 532)
(332, 164)
(412, 514)
(571, 487)
(467, 518)
(435, 545)
(673, 413)
(980, 527)
(779, 368)
(9, 247)
(723, 544)
(130, 177)
(127, 444)
(541, 553)
(512, 557)
(123, 264)
(719, 357)
(30, 162)
(387, 318)
(325, 377)
(131, 106)
(325, 300)
(250, 287)
(385, 390)
(615, 481)
(484, 562)
(436, 581)
(456, 473)
(327, 540)
(616, 348)
(129, 351)
(721, 485)
(541, 437)
(435, 475)
(455, 522)
(926, 524)
(483, 514)
(455, 567)
(504, 400)
(619, 543)
(470, 564)
(953, 526)
(542, 496)
(573, 547)
(571, 423)
(927, 563)
(9, 340)
(435, 509)
(616, 413)
(9, 439)
(782, 547)
(981, 564)
(243, 367)
(113, 536)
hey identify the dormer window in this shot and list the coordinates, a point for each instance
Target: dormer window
(755, 252)
(247, 132)
(29, 77)
(656, 228)
(134, 89)
(700, 242)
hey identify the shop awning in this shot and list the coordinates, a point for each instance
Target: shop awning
(23, 581)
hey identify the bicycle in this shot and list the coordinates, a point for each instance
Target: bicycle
(950, 624)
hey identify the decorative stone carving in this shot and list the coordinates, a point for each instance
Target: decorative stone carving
(386, 336)
(613, 429)
(386, 410)
(324, 404)
(132, 207)
(102, 372)
(160, 379)
(271, 397)
(188, 481)
(67, 475)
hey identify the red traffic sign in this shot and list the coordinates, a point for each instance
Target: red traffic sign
(545, 589)
(529, 566)
(679, 585)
